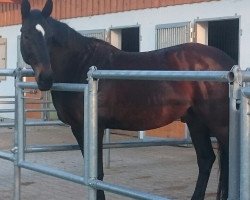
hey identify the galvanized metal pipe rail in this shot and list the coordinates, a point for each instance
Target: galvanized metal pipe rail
(7, 97)
(7, 102)
(111, 145)
(218, 76)
(125, 191)
(7, 156)
(8, 72)
(33, 123)
(7, 110)
(67, 87)
(14, 72)
(245, 144)
(52, 172)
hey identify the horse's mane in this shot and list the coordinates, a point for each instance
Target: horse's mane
(64, 34)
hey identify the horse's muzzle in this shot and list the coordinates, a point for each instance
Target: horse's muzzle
(44, 77)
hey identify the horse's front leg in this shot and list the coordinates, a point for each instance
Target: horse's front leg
(78, 133)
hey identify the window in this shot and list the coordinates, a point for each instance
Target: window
(99, 34)
(172, 34)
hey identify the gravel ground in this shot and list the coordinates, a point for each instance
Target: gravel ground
(166, 171)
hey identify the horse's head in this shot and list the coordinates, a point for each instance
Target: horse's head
(35, 36)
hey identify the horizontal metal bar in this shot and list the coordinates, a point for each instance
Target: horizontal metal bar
(246, 92)
(7, 72)
(33, 123)
(132, 144)
(218, 76)
(7, 156)
(52, 172)
(7, 97)
(27, 72)
(112, 145)
(43, 123)
(27, 85)
(7, 124)
(68, 87)
(93, 183)
(245, 76)
(7, 102)
(125, 191)
(40, 110)
(51, 148)
(7, 110)
(71, 87)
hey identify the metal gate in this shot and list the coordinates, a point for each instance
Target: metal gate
(237, 92)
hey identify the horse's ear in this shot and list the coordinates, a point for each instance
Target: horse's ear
(25, 8)
(47, 10)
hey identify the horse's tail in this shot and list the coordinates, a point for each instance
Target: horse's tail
(222, 192)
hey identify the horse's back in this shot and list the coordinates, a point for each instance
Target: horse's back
(188, 56)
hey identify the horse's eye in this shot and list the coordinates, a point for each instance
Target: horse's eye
(25, 36)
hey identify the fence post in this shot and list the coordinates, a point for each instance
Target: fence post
(245, 145)
(92, 132)
(86, 134)
(234, 140)
(107, 151)
(19, 135)
(141, 135)
(17, 170)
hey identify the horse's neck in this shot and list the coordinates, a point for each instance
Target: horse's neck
(67, 38)
(72, 53)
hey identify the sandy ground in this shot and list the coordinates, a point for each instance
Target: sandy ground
(166, 171)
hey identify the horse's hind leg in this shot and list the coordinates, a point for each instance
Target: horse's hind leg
(100, 193)
(204, 151)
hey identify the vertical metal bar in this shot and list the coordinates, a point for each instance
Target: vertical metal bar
(17, 181)
(16, 150)
(245, 148)
(107, 151)
(234, 140)
(141, 135)
(86, 134)
(45, 106)
(186, 133)
(20, 124)
(93, 133)
(16, 191)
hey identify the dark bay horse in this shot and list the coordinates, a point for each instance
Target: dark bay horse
(57, 53)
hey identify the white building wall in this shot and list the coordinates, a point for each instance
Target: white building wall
(147, 20)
